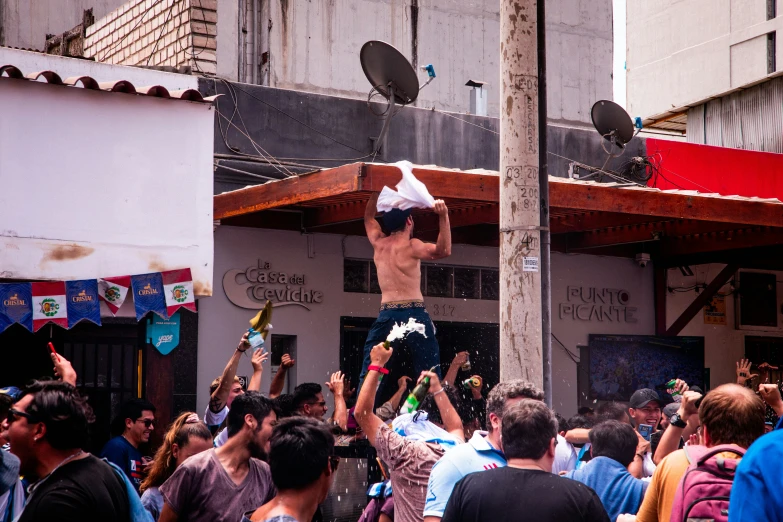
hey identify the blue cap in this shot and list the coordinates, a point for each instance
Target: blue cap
(11, 391)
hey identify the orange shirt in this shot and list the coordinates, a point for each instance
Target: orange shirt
(658, 501)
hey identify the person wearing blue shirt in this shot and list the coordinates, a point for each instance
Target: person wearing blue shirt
(480, 453)
(613, 446)
(757, 492)
(134, 423)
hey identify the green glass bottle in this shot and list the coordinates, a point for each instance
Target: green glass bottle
(416, 396)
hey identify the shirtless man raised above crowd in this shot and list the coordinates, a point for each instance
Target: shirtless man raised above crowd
(398, 259)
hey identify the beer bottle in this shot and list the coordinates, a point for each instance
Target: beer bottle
(415, 398)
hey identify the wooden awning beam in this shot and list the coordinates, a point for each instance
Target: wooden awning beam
(702, 299)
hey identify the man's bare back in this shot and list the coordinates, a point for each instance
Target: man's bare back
(398, 256)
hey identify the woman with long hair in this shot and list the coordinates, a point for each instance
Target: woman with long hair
(187, 436)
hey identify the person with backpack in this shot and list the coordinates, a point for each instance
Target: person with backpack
(696, 481)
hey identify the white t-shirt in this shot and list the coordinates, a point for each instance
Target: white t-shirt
(221, 438)
(215, 419)
(565, 456)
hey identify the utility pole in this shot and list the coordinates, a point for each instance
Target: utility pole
(521, 348)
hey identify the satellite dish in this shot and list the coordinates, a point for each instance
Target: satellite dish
(389, 72)
(612, 122)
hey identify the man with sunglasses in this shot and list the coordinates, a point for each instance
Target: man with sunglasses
(47, 428)
(303, 465)
(134, 425)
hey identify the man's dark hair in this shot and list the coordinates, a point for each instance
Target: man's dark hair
(300, 452)
(394, 220)
(285, 405)
(430, 406)
(528, 429)
(585, 410)
(249, 403)
(305, 393)
(615, 440)
(5, 405)
(562, 423)
(613, 411)
(64, 412)
(130, 409)
(580, 421)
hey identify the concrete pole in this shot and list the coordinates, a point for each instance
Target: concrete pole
(520, 219)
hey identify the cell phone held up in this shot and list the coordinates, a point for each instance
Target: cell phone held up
(645, 430)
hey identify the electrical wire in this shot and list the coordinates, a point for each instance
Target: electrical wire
(325, 135)
(260, 150)
(465, 121)
(570, 354)
(141, 19)
(246, 173)
(162, 28)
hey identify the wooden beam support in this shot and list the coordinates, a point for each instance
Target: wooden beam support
(442, 183)
(702, 299)
(567, 194)
(646, 232)
(583, 221)
(718, 241)
(660, 288)
(289, 191)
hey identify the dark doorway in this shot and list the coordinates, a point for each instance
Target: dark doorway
(104, 357)
(481, 340)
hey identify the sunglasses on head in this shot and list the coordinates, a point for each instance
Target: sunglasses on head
(147, 422)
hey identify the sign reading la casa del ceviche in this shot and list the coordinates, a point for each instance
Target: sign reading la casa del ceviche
(254, 286)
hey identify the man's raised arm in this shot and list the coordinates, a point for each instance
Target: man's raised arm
(372, 227)
(220, 396)
(442, 248)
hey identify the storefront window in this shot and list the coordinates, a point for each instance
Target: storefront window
(440, 281)
(467, 283)
(490, 284)
(355, 276)
(361, 276)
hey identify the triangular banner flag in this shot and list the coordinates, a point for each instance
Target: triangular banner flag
(16, 305)
(113, 290)
(178, 287)
(83, 301)
(148, 295)
(49, 304)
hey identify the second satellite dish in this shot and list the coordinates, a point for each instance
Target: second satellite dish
(612, 122)
(389, 72)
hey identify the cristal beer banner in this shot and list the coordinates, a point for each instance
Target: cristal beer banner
(65, 303)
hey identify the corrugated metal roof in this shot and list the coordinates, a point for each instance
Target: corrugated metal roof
(120, 86)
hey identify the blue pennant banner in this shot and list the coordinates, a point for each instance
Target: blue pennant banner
(148, 295)
(163, 334)
(83, 301)
(16, 305)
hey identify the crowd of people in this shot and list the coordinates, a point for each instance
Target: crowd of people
(271, 457)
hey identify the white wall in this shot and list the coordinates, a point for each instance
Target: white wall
(25, 23)
(315, 47)
(682, 52)
(96, 184)
(221, 323)
(723, 345)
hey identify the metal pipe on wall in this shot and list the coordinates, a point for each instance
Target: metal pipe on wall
(543, 186)
(254, 54)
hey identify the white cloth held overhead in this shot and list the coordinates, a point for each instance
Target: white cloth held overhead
(410, 193)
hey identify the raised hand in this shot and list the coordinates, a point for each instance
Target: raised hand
(743, 371)
(63, 368)
(336, 384)
(440, 208)
(460, 359)
(402, 382)
(379, 355)
(287, 362)
(244, 344)
(258, 358)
